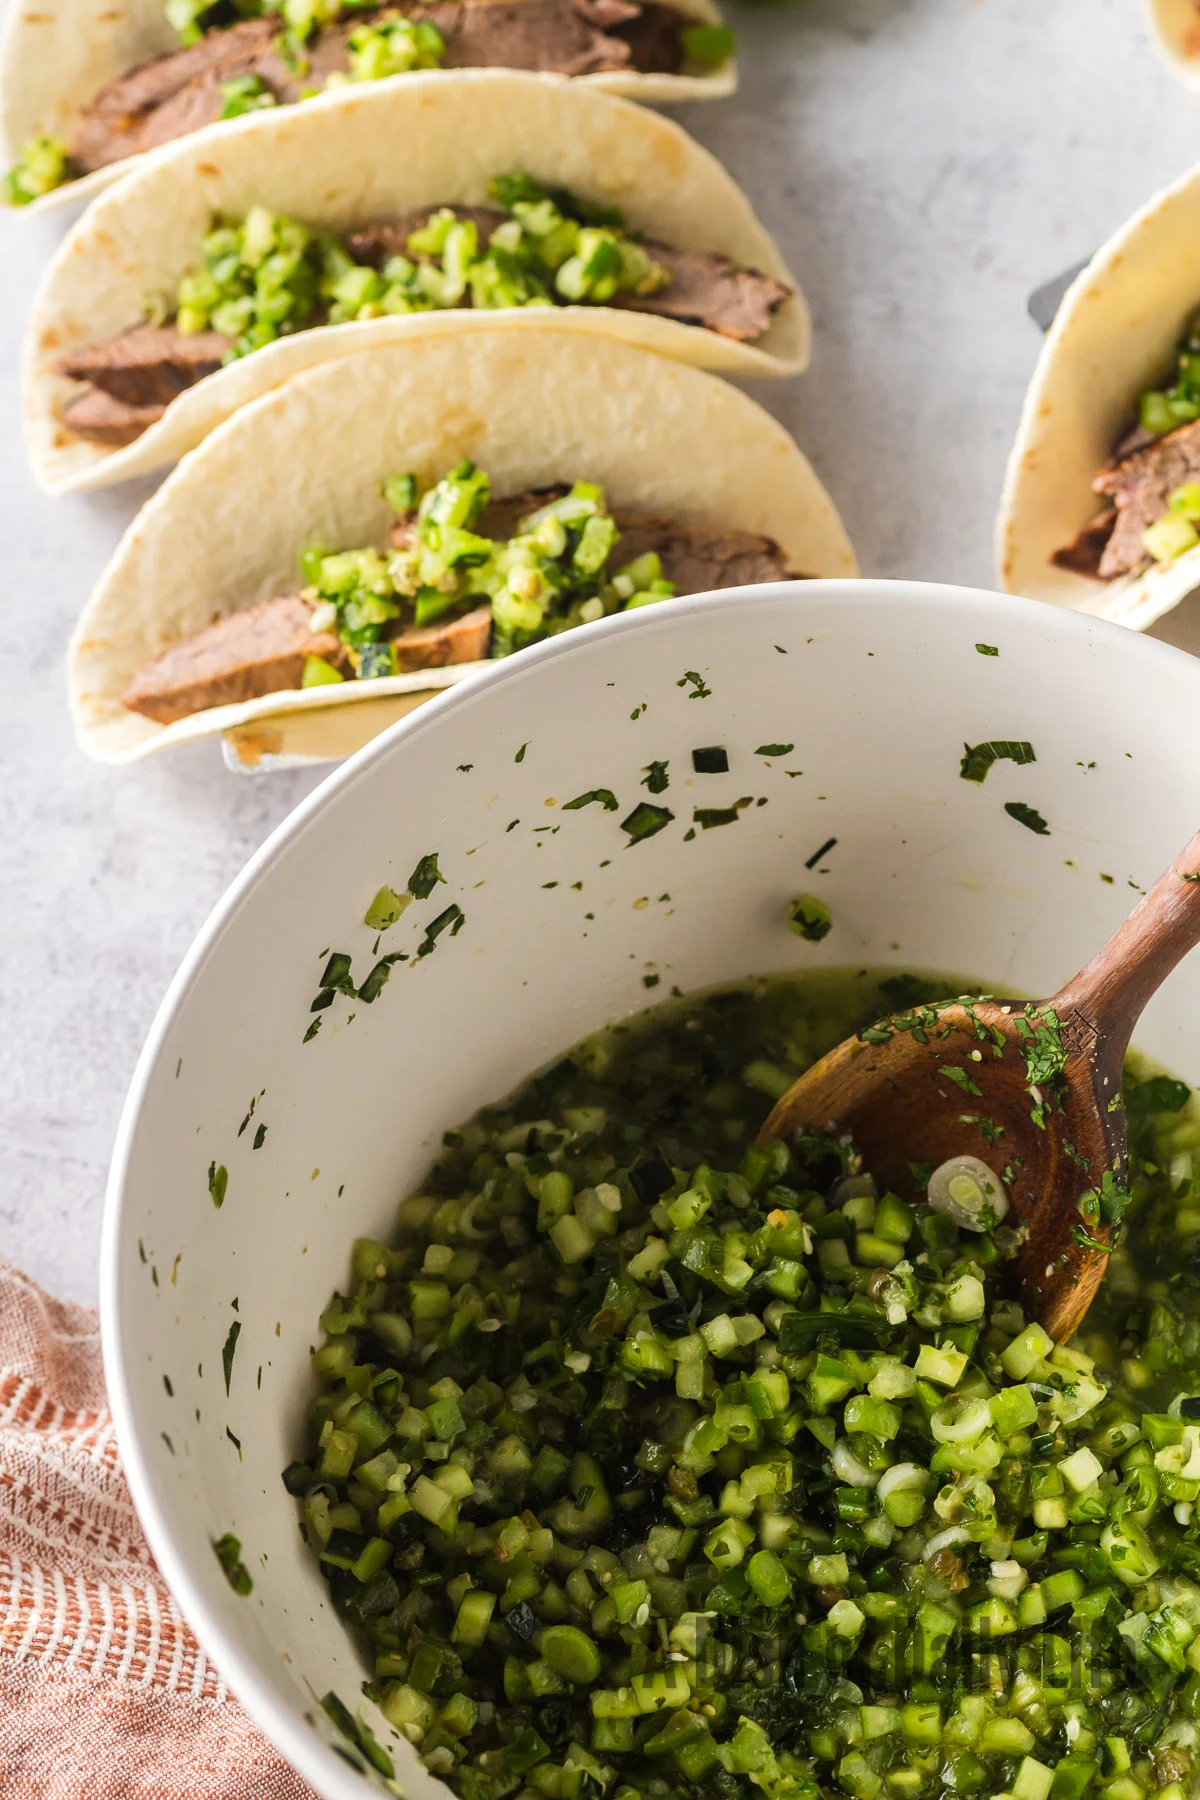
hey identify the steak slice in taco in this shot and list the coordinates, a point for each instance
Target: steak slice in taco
(266, 277)
(1151, 482)
(382, 525)
(234, 59)
(1101, 504)
(463, 578)
(217, 270)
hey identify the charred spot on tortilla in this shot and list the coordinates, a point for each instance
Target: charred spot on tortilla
(268, 276)
(230, 64)
(464, 577)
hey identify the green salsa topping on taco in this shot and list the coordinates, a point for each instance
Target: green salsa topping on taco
(267, 276)
(465, 576)
(243, 56)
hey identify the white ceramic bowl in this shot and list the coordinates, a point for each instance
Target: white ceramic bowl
(877, 685)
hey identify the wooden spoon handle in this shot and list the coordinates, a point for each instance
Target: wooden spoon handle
(1109, 994)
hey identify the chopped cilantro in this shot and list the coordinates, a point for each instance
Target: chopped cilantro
(520, 756)
(978, 758)
(235, 1332)
(987, 649)
(260, 1136)
(816, 856)
(655, 777)
(454, 917)
(1114, 1199)
(809, 918)
(1088, 1241)
(709, 817)
(312, 1030)
(1195, 877)
(1044, 1051)
(234, 1440)
(961, 1079)
(699, 687)
(1027, 816)
(425, 876)
(229, 1554)
(711, 759)
(386, 908)
(1162, 1093)
(987, 1128)
(651, 981)
(774, 749)
(376, 981)
(218, 1183)
(335, 979)
(605, 796)
(645, 820)
(465, 768)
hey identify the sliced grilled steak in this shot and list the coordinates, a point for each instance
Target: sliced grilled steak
(698, 558)
(149, 365)
(437, 646)
(655, 47)
(101, 419)
(1083, 554)
(561, 37)
(1139, 487)
(170, 96)
(705, 288)
(710, 290)
(375, 243)
(177, 94)
(260, 650)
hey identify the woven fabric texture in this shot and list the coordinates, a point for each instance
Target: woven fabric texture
(104, 1692)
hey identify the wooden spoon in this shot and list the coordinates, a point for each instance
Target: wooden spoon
(1032, 1089)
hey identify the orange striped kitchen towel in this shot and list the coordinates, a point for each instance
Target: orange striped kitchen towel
(104, 1692)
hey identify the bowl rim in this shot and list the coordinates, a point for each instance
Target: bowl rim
(281, 1723)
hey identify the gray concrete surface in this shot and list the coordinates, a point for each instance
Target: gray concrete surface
(924, 163)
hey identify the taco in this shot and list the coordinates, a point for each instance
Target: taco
(380, 526)
(1175, 25)
(222, 267)
(84, 89)
(1101, 507)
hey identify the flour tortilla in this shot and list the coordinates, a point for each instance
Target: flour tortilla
(372, 151)
(1175, 25)
(1115, 334)
(56, 55)
(304, 465)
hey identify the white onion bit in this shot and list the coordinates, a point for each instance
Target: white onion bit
(970, 1192)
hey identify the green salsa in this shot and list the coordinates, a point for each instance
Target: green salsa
(651, 1461)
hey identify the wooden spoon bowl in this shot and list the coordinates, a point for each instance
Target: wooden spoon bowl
(1031, 1089)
